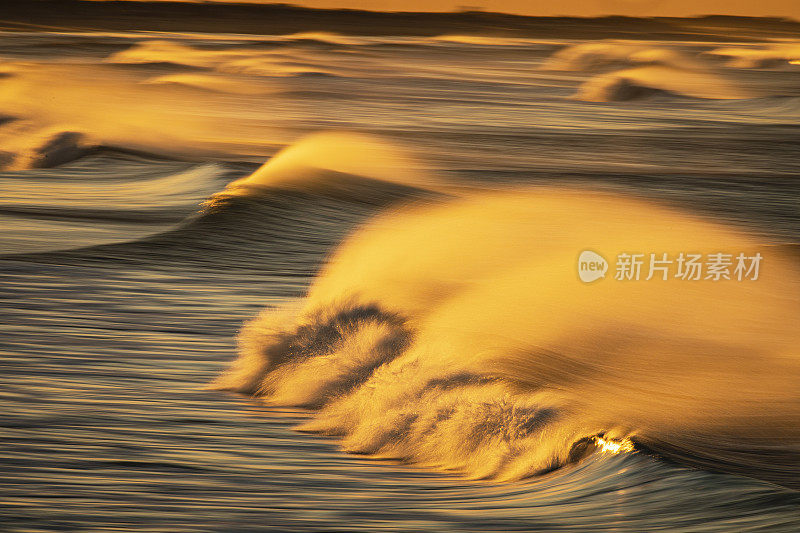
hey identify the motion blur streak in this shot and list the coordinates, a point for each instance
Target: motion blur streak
(396, 220)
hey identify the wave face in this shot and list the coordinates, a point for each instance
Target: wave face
(458, 336)
(631, 84)
(289, 211)
(307, 164)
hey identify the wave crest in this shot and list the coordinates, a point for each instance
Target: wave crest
(595, 55)
(458, 336)
(48, 148)
(339, 163)
(631, 84)
(759, 57)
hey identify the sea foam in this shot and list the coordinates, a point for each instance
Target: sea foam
(458, 336)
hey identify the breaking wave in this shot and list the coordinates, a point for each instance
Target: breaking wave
(649, 71)
(289, 212)
(631, 84)
(309, 163)
(172, 52)
(257, 62)
(764, 56)
(323, 37)
(46, 148)
(457, 336)
(594, 55)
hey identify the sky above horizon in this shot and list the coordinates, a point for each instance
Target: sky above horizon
(781, 8)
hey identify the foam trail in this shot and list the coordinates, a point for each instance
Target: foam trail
(458, 336)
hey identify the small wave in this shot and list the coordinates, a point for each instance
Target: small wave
(641, 82)
(289, 212)
(759, 57)
(322, 38)
(310, 163)
(656, 70)
(254, 62)
(587, 56)
(138, 186)
(49, 148)
(595, 55)
(173, 52)
(116, 109)
(26, 147)
(107, 197)
(271, 66)
(481, 40)
(206, 82)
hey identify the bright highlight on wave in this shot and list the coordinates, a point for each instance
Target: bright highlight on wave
(458, 336)
(763, 56)
(614, 446)
(333, 161)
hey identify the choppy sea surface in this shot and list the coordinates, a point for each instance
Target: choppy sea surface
(123, 287)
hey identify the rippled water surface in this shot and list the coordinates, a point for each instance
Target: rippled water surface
(121, 295)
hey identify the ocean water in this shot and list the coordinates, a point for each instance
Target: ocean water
(424, 370)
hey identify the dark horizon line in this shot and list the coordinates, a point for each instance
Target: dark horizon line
(286, 18)
(226, 3)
